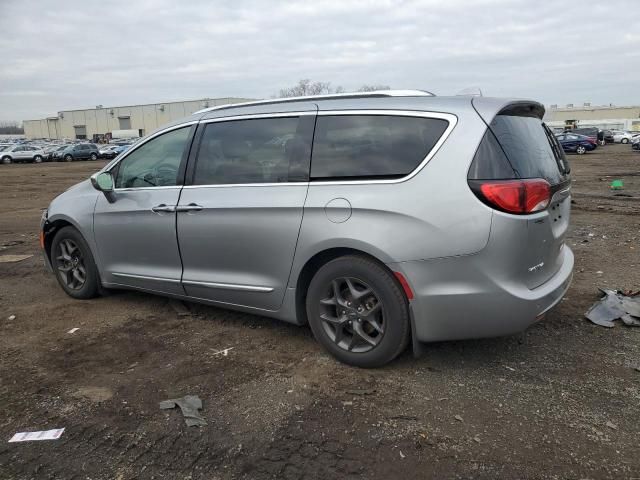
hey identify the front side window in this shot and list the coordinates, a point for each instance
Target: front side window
(365, 146)
(154, 164)
(261, 150)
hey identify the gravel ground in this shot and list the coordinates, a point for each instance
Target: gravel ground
(558, 401)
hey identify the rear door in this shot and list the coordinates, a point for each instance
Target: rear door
(238, 221)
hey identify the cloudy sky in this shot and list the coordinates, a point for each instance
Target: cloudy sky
(69, 54)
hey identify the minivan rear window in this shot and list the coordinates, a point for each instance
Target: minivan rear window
(527, 147)
(365, 146)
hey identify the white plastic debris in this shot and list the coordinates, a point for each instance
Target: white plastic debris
(35, 436)
(73, 330)
(11, 318)
(224, 352)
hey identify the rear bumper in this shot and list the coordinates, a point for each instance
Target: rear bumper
(456, 298)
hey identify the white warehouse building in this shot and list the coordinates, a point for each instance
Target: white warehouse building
(99, 122)
(608, 117)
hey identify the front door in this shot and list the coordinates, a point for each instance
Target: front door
(136, 231)
(238, 222)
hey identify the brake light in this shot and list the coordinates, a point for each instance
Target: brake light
(514, 196)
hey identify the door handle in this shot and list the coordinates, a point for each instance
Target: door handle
(163, 208)
(192, 207)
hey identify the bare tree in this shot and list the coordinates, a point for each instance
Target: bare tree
(306, 87)
(11, 127)
(372, 88)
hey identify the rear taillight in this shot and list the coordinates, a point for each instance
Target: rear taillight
(513, 196)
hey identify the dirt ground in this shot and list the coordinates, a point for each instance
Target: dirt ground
(559, 401)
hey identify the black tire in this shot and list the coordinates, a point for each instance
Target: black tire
(37, 159)
(90, 288)
(384, 288)
(6, 160)
(624, 140)
(93, 156)
(581, 150)
(68, 158)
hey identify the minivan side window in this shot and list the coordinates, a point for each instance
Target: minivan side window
(366, 146)
(154, 164)
(261, 150)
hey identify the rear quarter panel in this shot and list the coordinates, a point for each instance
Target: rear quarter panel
(432, 215)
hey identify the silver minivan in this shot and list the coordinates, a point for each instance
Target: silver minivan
(377, 219)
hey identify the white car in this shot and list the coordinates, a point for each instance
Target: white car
(621, 137)
(22, 153)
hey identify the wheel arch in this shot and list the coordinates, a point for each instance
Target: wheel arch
(314, 263)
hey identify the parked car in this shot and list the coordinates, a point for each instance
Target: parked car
(607, 137)
(591, 132)
(425, 218)
(107, 151)
(620, 136)
(21, 153)
(118, 149)
(573, 143)
(635, 143)
(56, 154)
(80, 151)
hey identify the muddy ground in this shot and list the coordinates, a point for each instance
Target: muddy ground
(559, 401)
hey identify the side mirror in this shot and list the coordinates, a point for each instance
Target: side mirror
(102, 181)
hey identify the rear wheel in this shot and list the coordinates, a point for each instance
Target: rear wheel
(580, 150)
(37, 159)
(358, 312)
(6, 160)
(68, 158)
(73, 264)
(624, 140)
(601, 142)
(93, 156)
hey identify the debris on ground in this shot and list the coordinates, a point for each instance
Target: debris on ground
(13, 258)
(224, 352)
(34, 436)
(74, 330)
(616, 305)
(11, 318)
(368, 391)
(617, 185)
(189, 404)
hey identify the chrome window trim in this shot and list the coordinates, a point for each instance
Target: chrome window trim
(229, 286)
(111, 165)
(451, 118)
(251, 116)
(135, 189)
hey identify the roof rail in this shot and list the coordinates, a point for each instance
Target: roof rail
(374, 94)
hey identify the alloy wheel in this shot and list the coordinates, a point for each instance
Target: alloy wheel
(352, 315)
(70, 264)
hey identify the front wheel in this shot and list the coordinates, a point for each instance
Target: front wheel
(73, 264)
(581, 150)
(358, 311)
(37, 159)
(601, 142)
(6, 160)
(68, 158)
(624, 140)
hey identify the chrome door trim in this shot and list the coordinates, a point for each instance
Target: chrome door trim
(145, 277)
(227, 185)
(229, 286)
(135, 189)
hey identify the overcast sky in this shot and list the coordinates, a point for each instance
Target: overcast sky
(68, 54)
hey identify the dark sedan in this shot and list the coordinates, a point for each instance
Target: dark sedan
(573, 143)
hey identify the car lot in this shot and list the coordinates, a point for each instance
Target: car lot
(559, 401)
